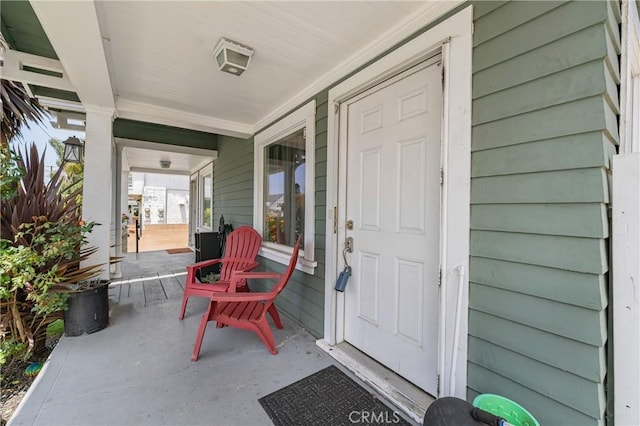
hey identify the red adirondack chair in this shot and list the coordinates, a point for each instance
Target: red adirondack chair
(247, 310)
(240, 254)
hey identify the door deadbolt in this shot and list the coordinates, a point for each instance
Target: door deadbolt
(350, 225)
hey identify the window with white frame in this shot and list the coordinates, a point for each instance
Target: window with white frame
(284, 158)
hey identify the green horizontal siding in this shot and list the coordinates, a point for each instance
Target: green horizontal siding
(322, 112)
(545, 409)
(583, 46)
(580, 151)
(587, 79)
(584, 325)
(573, 288)
(567, 355)
(558, 23)
(510, 17)
(545, 108)
(571, 220)
(580, 116)
(233, 181)
(586, 255)
(562, 386)
(481, 8)
(566, 186)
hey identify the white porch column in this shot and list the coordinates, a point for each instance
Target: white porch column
(96, 195)
(626, 277)
(123, 168)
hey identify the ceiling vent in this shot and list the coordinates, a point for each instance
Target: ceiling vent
(232, 57)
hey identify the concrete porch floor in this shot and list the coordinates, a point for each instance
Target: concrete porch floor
(138, 371)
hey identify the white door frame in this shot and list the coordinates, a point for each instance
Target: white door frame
(453, 37)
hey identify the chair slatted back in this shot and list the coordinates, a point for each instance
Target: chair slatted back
(241, 249)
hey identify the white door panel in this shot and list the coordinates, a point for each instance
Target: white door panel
(393, 198)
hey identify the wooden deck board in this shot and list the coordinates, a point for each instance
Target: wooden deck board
(132, 293)
(153, 291)
(172, 286)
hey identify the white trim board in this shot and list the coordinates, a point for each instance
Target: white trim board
(625, 236)
(140, 111)
(626, 313)
(13, 69)
(167, 147)
(454, 38)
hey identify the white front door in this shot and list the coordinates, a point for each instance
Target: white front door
(393, 198)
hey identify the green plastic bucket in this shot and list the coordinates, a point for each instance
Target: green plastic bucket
(500, 406)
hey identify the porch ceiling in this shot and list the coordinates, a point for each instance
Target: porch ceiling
(154, 58)
(146, 157)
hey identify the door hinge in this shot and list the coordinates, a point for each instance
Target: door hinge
(438, 385)
(442, 75)
(336, 107)
(439, 277)
(441, 176)
(335, 219)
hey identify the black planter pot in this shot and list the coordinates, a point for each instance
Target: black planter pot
(88, 310)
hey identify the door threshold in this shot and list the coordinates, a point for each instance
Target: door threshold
(404, 395)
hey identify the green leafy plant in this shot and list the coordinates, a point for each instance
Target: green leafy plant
(10, 173)
(43, 241)
(36, 276)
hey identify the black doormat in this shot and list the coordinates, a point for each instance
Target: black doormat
(328, 397)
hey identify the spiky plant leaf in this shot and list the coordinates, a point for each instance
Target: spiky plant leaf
(18, 109)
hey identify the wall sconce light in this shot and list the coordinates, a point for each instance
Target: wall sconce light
(232, 57)
(165, 164)
(73, 149)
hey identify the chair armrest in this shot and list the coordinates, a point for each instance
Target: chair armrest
(202, 264)
(241, 297)
(237, 276)
(254, 275)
